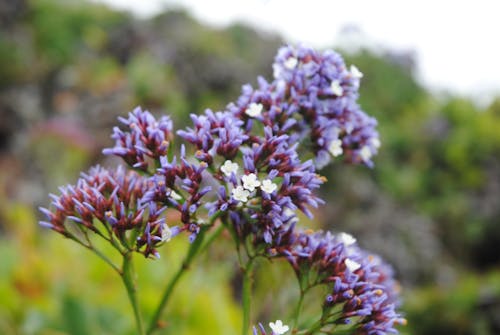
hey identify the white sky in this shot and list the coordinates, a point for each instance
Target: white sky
(456, 42)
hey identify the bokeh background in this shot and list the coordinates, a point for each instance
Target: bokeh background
(68, 69)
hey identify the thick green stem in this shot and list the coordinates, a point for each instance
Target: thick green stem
(247, 295)
(127, 275)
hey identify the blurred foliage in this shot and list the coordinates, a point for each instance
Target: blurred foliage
(69, 68)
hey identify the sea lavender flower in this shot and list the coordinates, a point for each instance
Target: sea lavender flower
(277, 328)
(274, 183)
(179, 186)
(313, 95)
(109, 203)
(144, 137)
(254, 153)
(212, 134)
(361, 284)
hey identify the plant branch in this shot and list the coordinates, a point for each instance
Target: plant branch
(194, 248)
(127, 275)
(247, 295)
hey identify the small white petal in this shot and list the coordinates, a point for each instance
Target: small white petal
(291, 63)
(352, 265)
(250, 182)
(276, 71)
(355, 73)
(166, 233)
(365, 153)
(254, 110)
(229, 167)
(268, 186)
(336, 88)
(240, 194)
(347, 239)
(375, 142)
(174, 195)
(349, 128)
(335, 148)
(278, 327)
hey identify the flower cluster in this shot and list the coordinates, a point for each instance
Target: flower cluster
(313, 95)
(109, 203)
(179, 186)
(251, 166)
(146, 138)
(359, 282)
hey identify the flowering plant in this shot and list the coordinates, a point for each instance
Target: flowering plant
(247, 175)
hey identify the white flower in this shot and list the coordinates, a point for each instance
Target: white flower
(335, 148)
(276, 71)
(336, 88)
(229, 167)
(254, 110)
(375, 142)
(347, 239)
(166, 233)
(355, 73)
(278, 327)
(288, 212)
(291, 63)
(240, 194)
(365, 153)
(174, 195)
(352, 265)
(250, 182)
(349, 128)
(268, 186)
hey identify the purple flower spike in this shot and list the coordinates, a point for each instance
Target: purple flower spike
(144, 137)
(109, 198)
(362, 283)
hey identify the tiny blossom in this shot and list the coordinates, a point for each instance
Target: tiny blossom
(166, 233)
(254, 110)
(268, 186)
(335, 148)
(336, 88)
(355, 73)
(240, 194)
(352, 265)
(144, 136)
(347, 239)
(250, 182)
(278, 327)
(375, 142)
(174, 195)
(291, 63)
(317, 100)
(229, 167)
(113, 198)
(365, 153)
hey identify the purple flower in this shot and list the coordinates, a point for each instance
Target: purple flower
(313, 96)
(362, 284)
(215, 134)
(145, 137)
(108, 203)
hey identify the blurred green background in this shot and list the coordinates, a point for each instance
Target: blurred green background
(431, 206)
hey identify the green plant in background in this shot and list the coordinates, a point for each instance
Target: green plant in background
(245, 178)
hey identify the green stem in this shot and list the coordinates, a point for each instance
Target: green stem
(247, 295)
(194, 248)
(297, 310)
(127, 275)
(90, 247)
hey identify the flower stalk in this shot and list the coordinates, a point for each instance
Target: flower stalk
(128, 277)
